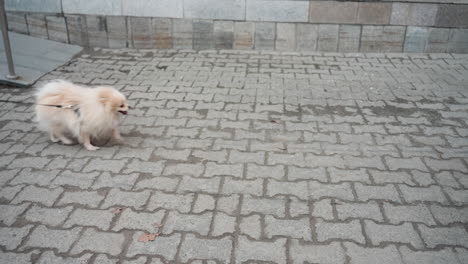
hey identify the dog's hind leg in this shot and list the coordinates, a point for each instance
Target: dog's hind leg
(53, 137)
(56, 134)
(85, 139)
(64, 139)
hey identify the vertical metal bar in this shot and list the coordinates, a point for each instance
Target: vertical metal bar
(6, 42)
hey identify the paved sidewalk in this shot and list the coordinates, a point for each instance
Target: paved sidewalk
(247, 157)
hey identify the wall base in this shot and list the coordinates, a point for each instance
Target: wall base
(199, 34)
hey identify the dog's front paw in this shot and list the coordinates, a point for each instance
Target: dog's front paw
(91, 147)
(117, 138)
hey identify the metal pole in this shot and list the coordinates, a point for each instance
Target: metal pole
(6, 42)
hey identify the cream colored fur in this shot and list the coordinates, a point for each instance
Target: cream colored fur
(99, 112)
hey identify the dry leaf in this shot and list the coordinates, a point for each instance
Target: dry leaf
(117, 210)
(147, 237)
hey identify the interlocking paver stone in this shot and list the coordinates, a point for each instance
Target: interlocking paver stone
(368, 255)
(116, 197)
(213, 169)
(462, 254)
(124, 181)
(431, 194)
(456, 236)
(382, 177)
(48, 216)
(204, 202)
(249, 156)
(228, 204)
(440, 256)
(404, 233)
(261, 251)
(251, 226)
(158, 183)
(102, 242)
(188, 222)
(39, 195)
(11, 212)
(145, 167)
(294, 228)
(323, 209)
(386, 192)
(351, 230)
(298, 207)
(298, 189)
(40, 178)
(210, 249)
(86, 198)
(448, 215)
(311, 253)
(184, 169)
(179, 202)
(275, 207)
(206, 185)
(130, 219)
(78, 179)
(10, 237)
(43, 237)
(338, 175)
(165, 246)
(101, 258)
(258, 171)
(89, 217)
(408, 213)
(29, 162)
(49, 257)
(8, 192)
(222, 224)
(370, 210)
(8, 257)
(105, 165)
(295, 173)
(319, 190)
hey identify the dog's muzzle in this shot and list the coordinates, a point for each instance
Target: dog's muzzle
(123, 112)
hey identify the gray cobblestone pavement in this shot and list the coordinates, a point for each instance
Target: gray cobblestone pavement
(248, 157)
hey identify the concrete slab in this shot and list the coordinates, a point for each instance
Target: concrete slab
(34, 57)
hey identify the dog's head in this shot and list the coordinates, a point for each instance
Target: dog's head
(113, 100)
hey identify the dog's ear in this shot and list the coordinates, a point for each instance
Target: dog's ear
(103, 100)
(104, 95)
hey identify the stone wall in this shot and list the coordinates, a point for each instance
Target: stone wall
(299, 25)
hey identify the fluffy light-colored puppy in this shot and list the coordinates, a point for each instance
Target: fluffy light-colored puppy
(68, 112)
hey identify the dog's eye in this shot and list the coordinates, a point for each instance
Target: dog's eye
(122, 106)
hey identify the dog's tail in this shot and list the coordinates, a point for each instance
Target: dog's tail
(51, 88)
